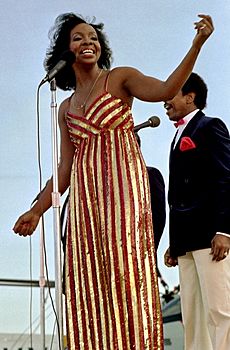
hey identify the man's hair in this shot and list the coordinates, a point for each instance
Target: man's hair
(59, 36)
(197, 85)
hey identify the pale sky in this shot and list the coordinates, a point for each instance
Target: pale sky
(152, 36)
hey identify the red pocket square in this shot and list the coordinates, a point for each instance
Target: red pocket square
(186, 144)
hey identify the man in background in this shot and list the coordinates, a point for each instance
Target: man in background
(157, 192)
(199, 217)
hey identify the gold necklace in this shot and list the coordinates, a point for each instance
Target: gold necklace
(82, 106)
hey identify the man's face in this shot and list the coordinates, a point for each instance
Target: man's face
(178, 107)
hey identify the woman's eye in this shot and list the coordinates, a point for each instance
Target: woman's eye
(77, 38)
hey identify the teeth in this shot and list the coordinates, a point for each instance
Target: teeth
(87, 51)
(167, 106)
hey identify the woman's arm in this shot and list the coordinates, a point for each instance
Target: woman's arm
(153, 90)
(27, 222)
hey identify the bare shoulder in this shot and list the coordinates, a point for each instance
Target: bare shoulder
(64, 105)
(118, 79)
(63, 109)
(124, 72)
(126, 76)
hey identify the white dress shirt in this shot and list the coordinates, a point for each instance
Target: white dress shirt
(181, 127)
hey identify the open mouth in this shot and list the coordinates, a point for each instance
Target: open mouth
(87, 52)
(167, 106)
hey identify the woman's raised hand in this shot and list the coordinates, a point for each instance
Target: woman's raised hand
(204, 29)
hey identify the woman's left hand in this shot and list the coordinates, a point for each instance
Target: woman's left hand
(204, 29)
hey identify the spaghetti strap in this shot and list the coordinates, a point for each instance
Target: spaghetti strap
(68, 102)
(69, 98)
(106, 82)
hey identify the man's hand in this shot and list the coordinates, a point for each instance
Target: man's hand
(168, 260)
(220, 247)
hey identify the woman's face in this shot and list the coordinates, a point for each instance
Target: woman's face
(84, 44)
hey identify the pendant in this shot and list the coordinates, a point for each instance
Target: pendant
(80, 107)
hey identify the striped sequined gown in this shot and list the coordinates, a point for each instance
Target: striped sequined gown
(112, 299)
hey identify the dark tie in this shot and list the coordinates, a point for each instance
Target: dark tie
(180, 122)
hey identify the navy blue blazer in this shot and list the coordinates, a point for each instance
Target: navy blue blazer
(199, 186)
(158, 205)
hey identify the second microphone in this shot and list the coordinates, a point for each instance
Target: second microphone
(152, 122)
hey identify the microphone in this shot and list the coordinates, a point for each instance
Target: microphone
(67, 58)
(152, 121)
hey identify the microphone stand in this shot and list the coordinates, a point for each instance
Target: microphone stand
(42, 288)
(56, 219)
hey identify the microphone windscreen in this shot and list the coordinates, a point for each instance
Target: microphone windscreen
(154, 121)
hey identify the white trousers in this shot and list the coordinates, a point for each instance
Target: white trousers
(205, 300)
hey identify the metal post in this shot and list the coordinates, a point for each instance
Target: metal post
(56, 218)
(42, 284)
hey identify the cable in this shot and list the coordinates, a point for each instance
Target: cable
(52, 339)
(31, 296)
(42, 219)
(26, 329)
(49, 291)
(44, 245)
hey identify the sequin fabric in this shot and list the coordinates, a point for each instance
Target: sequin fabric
(112, 299)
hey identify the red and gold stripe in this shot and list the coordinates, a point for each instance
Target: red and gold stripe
(112, 298)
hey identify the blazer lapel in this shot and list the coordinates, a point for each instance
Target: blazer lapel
(189, 130)
(193, 125)
(172, 147)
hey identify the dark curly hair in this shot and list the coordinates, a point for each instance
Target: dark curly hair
(197, 85)
(59, 36)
